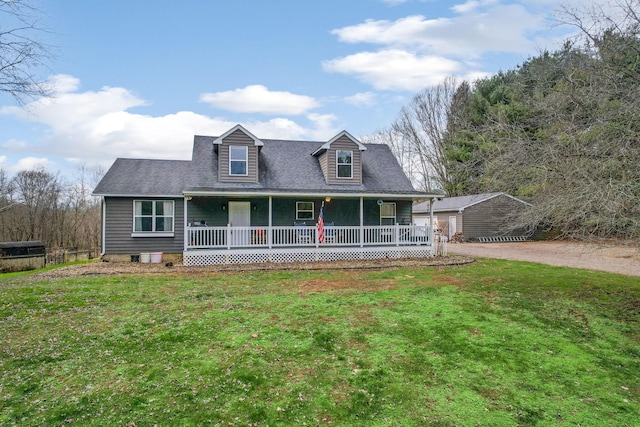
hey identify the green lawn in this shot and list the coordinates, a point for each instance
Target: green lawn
(494, 343)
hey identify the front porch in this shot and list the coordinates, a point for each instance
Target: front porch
(226, 245)
(255, 233)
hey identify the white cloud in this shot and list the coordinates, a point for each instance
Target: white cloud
(394, 2)
(363, 99)
(501, 28)
(30, 163)
(279, 128)
(387, 32)
(70, 112)
(418, 51)
(259, 99)
(63, 83)
(395, 69)
(323, 126)
(13, 145)
(471, 5)
(94, 127)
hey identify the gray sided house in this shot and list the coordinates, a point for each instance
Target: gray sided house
(245, 199)
(479, 217)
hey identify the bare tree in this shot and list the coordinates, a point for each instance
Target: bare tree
(38, 193)
(404, 153)
(82, 210)
(423, 126)
(6, 202)
(612, 34)
(38, 205)
(21, 51)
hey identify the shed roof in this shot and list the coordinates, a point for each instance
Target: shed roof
(459, 203)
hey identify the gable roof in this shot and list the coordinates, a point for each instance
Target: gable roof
(144, 177)
(285, 166)
(257, 141)
(459, 203)
(327, 145)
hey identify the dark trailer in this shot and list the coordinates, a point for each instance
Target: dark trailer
(21, 256)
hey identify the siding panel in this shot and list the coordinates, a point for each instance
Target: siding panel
(119, 226)
(403, 211)
(343, 143)
(238, 138)
(324, 165)
(492, 218)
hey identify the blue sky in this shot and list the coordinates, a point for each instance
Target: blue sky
(140, 78)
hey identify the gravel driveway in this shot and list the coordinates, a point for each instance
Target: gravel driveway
(614, 258)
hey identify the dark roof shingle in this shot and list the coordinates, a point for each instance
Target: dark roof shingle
(284, 166)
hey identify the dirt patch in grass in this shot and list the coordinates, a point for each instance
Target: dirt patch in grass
(132, 268)
(447, 279)
(349, 279)
(355, 282)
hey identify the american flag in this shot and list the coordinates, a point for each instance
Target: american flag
(321, 226)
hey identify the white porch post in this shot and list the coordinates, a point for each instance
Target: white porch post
(270, 235)
(184, 228)
(431, 234)
(103, 250)
(397, 234)
(361, 221)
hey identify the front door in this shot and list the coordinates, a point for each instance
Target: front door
(452, 226)
(240, 216)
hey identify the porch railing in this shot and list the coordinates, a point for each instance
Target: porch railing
(305, 236)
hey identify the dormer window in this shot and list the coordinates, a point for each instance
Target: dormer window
(341, 160)
(344, 163)
(238, 159)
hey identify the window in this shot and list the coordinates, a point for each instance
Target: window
(344, 163)
(238, 160)
(387, 214)
(304, 211)
(153, 216)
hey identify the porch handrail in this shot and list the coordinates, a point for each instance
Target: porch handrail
(305, 236)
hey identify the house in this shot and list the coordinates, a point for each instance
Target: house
(481, 217)
(243, 199)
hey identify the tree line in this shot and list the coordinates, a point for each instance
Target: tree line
(39, 205)
(560, 131)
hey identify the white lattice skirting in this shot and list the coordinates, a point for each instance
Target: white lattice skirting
(502, 239)
(252, 256)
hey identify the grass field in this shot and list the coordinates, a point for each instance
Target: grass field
(494, 343)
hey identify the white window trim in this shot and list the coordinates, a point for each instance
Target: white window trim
(395, 211)
(152, 234)
(246, 160)
(313, 206)
(153, 222)
(338, 164)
